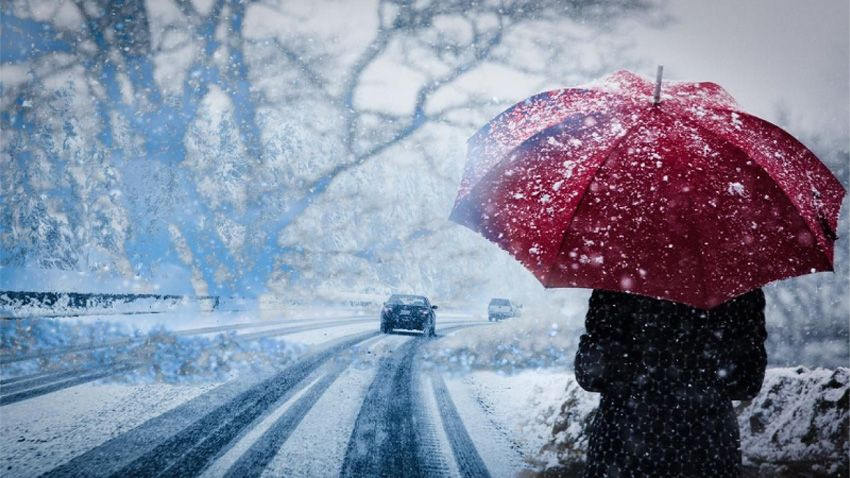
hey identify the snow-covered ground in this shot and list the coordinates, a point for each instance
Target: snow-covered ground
(316, 447)
(520, 370)
(49, 429)
(43, 432)
(509, 383)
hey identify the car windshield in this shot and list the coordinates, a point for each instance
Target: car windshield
(500, 302)
(407, 300)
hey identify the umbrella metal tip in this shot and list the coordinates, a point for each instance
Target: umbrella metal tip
(656, 98)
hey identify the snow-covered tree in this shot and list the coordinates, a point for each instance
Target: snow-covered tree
(137, 134)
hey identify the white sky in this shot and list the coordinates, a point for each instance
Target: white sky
(767, 54)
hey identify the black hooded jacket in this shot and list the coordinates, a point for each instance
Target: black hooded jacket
(668, 374)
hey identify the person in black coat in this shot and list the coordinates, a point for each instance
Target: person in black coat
(668, 374)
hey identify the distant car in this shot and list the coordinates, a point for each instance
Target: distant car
(408, 312)
(502, 309)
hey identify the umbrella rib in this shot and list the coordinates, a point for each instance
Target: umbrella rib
(690, 121)
(481, 133)
(509, 152)
(499, 117)
(607, 155)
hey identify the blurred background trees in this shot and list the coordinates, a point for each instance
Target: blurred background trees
(138, 134)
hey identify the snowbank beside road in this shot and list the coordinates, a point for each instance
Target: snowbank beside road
(21, 304)
(527, 405)
(796, 426)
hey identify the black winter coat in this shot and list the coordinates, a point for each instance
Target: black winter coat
(668, 374)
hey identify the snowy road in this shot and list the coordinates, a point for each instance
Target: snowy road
(359, 403)
(20, 388)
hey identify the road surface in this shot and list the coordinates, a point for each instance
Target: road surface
(359, 403)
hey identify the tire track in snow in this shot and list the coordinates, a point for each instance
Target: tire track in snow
(254, 461)
(204, 441)
(468, 460)
(69, 349)
(184, 440)
(392, 434)
(385, 441)
(28, 381)
(64, 382)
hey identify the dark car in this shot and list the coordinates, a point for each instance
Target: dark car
(408, 312)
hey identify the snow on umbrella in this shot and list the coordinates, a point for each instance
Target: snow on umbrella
(670, 192)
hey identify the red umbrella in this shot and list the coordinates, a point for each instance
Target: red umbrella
(669, 192)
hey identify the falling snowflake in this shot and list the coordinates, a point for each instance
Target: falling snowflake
(736, 189)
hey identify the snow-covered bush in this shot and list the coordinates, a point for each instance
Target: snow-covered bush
(158, 355)
(566, 450)
(31, 336)
(508, 346)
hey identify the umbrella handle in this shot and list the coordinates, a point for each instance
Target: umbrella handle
(656, 98)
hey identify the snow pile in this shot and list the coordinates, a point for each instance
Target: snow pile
(529, 405)
(796, 426)
(508, 346)
(158, 355)
(566, 448)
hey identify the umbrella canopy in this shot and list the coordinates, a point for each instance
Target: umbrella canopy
(682, 197)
